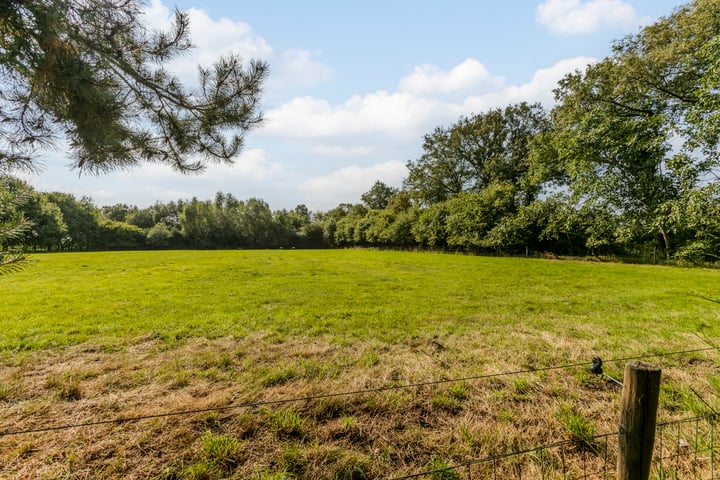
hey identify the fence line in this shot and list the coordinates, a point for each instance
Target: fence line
(262, 403)
(503, 456)
(680, 451)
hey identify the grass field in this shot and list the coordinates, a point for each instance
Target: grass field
(87, 336)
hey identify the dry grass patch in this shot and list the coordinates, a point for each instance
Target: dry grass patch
(369, 435)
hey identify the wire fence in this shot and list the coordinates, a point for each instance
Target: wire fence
(256, 404)
(687, 448)
(592, 458)
(684, 448)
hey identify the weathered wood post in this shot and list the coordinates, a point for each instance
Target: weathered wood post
(641, 390)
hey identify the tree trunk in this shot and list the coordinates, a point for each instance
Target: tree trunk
(666, 242)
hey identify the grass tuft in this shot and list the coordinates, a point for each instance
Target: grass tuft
(65, 387)
(222, 450)
(442, 469)
(201, 470)
(278, 377)
(581, 430)
(287, 422)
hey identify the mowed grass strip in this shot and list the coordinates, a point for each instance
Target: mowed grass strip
(115, 298)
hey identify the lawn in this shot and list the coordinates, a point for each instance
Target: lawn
(107, 335)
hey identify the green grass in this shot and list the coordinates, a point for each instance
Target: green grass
(93, 336)
(113, 299)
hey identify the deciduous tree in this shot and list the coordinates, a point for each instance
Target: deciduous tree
(379, 195)
(476, 152)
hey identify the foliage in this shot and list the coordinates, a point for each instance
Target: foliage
(471, 216)
(92, 72)
(429, 229)
(49, 229)
(625, 164)
(616, 122)
(159, 235)
(617, 157)
(13, 225)
(118, 212)
(379, 195)
(81, 218)
(476, 152)
(119, 235)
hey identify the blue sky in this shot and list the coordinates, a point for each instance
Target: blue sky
(355, 85)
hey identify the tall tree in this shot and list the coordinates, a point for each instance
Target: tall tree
(379, 195)
(81, 218)
(90, 71)
(674, 64)
(49, 229)
(476, 152)
(617, 123)
(616, 150)
(196, 222)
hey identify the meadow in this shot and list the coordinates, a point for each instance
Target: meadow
(87, 336)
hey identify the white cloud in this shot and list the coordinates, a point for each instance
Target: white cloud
(255, 165)
(348, 184)
(251, 165)
(341, 150)
(299, 68)
(538, 89)
(468, 76)
(211, 39)
(405, 115)
(571, 17)
(378, 112)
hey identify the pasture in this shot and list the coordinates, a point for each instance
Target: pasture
(90, 336)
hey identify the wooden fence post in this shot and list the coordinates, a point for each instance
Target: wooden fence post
(641, 390)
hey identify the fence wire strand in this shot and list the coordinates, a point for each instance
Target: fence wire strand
(662, 462)
(386, 388)
(495, 458)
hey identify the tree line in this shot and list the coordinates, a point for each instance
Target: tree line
(625, 163)
(60, 222)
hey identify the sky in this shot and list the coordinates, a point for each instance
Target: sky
(354, 86)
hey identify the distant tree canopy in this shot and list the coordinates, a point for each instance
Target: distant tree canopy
(476, 152)
(90, 71)
(379, 196)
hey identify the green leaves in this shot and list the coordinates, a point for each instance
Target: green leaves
(636, 132)
(475, 152)
(90, 72)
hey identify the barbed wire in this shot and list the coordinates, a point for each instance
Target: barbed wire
(262, 403)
